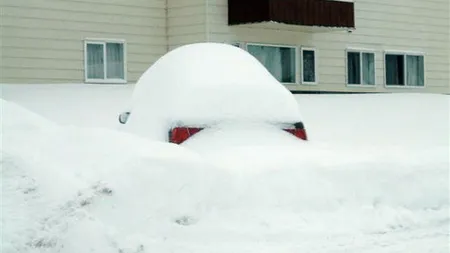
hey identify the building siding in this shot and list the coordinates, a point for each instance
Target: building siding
(43, 40)
(406, 25)
(186, 22)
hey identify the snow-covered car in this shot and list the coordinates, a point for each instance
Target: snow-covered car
(205, 85)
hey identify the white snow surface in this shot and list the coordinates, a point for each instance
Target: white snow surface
(374, 177)
(204, 83)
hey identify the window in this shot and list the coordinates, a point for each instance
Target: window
(279, 60)
(404, 69)
(360, 68)
(308, 56)
(105, 61)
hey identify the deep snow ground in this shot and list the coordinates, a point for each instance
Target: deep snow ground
(373, 178)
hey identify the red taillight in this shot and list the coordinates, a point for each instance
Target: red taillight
(180, 134)
(298, 132)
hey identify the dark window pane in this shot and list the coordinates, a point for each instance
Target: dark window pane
(368, 68)
(279, 61)
(309, 66)
(353, 68)
(114, 61)
(288, 62)
(395, 69)
(94, 61)
(415, 70)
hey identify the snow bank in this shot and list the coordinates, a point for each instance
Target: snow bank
(241, 134)
(52, 175)
(71, 189)
(207, 82)
(382, 169)
(402, 120)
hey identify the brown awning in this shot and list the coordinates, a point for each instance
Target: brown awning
(324, 13)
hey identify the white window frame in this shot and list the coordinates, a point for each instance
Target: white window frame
(316, 81)
(103, 42)
(404, 54)
(360, 51)
(245, 46)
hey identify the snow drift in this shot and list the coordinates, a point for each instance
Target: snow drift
(52, 176)
(71, 189)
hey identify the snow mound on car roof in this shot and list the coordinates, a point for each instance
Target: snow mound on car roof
(208, 82)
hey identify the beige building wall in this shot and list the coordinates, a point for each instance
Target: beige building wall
(401, 25)
(186, 22)
(42, 41)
